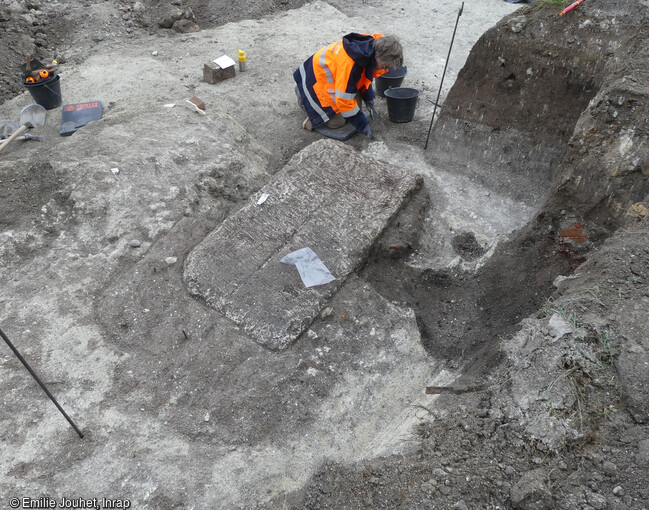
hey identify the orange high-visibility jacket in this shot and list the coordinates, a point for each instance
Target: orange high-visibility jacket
(330, 80)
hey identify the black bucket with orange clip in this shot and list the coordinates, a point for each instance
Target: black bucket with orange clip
(43, 83)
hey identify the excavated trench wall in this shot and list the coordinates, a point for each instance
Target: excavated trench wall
(552, 111)
(557, 105)
(508, 118)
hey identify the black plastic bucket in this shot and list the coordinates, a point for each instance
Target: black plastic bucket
(46, 93)
(402, 103)
(393, 78)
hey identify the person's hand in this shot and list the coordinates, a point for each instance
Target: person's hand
(367, 131)
(370, 108)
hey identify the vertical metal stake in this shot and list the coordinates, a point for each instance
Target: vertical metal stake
(443, 74)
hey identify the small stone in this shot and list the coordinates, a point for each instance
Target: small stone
(559, 327)
(135, 243)
(596, 458)
(207, 416)
(618, 491)
(154, 53)
(531, 492)
(429, 487)
(198, 102)
(597, 501)
(326, 312)
(185, 26)
(517, 24)
(171, 15)
(609, 468)
(171, 260)
(642, 457)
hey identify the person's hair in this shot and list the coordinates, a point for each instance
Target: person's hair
(388, 50)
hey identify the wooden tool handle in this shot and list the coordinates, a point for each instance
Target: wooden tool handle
(15, 134)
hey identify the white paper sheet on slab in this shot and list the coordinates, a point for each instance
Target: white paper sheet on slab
(312, 271)
(224, 61)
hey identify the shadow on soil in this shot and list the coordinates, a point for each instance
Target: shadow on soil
(461, 315)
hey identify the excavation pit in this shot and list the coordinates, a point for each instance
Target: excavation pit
(182, 406)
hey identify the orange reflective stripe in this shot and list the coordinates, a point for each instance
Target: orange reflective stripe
(322, 72)
(345, 101)
(352, 112)
(332, 68)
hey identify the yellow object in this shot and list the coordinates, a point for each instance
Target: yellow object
(638, 210)
(242, 55)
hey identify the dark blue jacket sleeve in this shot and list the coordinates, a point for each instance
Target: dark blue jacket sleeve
(368, 95)
(359, 121)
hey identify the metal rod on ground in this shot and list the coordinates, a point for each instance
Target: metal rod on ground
(22, 360)
(433, 102)
(443, 74)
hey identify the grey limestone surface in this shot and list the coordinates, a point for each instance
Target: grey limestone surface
(329, 198)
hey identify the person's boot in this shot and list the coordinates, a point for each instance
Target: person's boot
(335, 122)
(307, 125)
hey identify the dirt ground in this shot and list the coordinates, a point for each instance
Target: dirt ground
(514, 284)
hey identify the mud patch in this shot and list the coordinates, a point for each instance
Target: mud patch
(24, 190)
(461, 315)
(467, 246)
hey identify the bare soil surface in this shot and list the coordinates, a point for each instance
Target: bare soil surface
(490, 352)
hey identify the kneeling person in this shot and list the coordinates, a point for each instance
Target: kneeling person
(332, 83)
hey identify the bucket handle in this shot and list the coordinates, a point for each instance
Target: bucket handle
(53, 91)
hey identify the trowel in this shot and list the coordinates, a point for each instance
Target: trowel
(375, 120)
(32, 115)
(7, 127)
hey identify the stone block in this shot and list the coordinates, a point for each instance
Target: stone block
(329, 198)
(213, 73)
